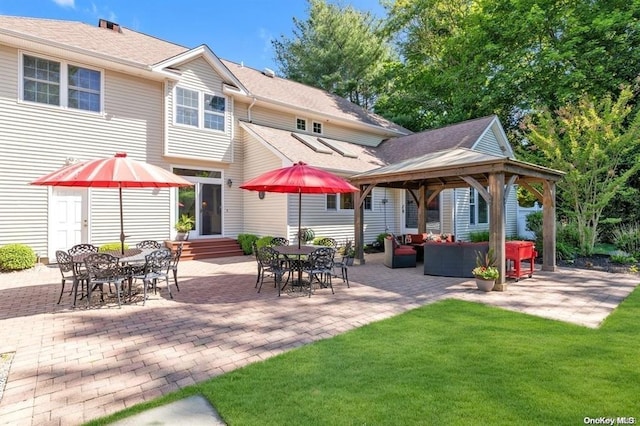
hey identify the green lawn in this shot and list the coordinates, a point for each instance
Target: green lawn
(452, 362)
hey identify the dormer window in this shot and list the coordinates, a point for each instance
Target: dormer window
(317, 127)
(301, 124)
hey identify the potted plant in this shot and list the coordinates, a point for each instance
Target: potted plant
(183, 226)
(306, 235)
(485, 271)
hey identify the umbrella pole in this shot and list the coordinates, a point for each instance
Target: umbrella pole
(121, 222)
(299, 216)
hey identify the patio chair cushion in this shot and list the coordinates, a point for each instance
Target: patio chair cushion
(398, 256)
(404, 250)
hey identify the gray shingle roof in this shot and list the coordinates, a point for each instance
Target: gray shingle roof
(306, 97)
(294, 150)
(460, 135)
(146, 50)
(128, 44)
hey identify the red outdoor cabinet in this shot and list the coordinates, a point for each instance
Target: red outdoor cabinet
(515, 253)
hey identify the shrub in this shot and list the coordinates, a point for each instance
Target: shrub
(112, 247)
(16, 257)
(478, 236)
(246, 242)
(623, 258)
(627, 238)
(567, 240)
(264, 241)
(564, 251)
(321, 241)
(380, 239)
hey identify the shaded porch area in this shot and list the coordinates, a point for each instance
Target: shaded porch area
(493, 177)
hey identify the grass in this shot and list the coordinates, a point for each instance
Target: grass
(452, 362)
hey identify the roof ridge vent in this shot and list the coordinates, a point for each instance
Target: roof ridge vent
(269, 72)
(103, 23)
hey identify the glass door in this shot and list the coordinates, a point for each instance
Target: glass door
(202, 201)
(211, 209)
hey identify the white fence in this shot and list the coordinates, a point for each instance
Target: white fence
(522, 221)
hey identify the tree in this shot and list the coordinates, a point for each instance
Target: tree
(338, 49)
(463, 59)
(591, 140)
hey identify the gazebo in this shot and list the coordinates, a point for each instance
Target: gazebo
(463, 167)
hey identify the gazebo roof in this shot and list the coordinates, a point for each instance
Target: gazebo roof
(446, 169)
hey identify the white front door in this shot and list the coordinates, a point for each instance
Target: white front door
(68, 218)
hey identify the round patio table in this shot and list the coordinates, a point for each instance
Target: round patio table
(294, 250)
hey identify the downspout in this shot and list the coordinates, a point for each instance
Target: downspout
(249, 109)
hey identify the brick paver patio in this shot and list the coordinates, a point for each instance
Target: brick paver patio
(71, 366)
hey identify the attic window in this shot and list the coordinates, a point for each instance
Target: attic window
(317, 127)
(301, 124)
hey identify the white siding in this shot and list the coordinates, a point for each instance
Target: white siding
(339, 224)
(199, 143)
(489, 144)
(37, 139)
(287, 121)
(463, 228)
(233, 218)
(269, 215)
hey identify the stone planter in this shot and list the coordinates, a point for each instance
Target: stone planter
(485, 285)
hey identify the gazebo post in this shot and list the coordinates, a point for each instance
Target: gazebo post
(497, 223)
(549, 226)
(358, 225)
(422, 208)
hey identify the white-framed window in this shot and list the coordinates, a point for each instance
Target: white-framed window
(478, 208)
(201, 110)
(214, 110)
(62, 84)
(346, 201)
(317, 127)
(186, 107)
(301, 124)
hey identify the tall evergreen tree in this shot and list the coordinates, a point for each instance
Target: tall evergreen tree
(338, 49)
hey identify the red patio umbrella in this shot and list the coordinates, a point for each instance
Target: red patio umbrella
(119, 172)
(298, 179)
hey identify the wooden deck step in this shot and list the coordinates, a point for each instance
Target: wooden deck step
(207, 249)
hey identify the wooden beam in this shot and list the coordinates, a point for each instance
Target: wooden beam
(534, 191)
(358, 222)
(497, 223)
(549, 227)
(480, 188)
(509, 187)
(422, 217)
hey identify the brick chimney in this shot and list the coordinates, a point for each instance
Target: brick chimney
(103, 23)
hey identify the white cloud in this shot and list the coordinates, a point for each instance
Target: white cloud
(99, 13)
(65, 3)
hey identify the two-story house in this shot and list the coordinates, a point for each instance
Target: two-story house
(71, 91)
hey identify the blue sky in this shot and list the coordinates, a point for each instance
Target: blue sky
(237, 30)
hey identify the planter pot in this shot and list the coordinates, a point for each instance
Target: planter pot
(182, 236)
(485, 285)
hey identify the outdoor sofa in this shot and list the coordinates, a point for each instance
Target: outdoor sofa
(452, 259)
